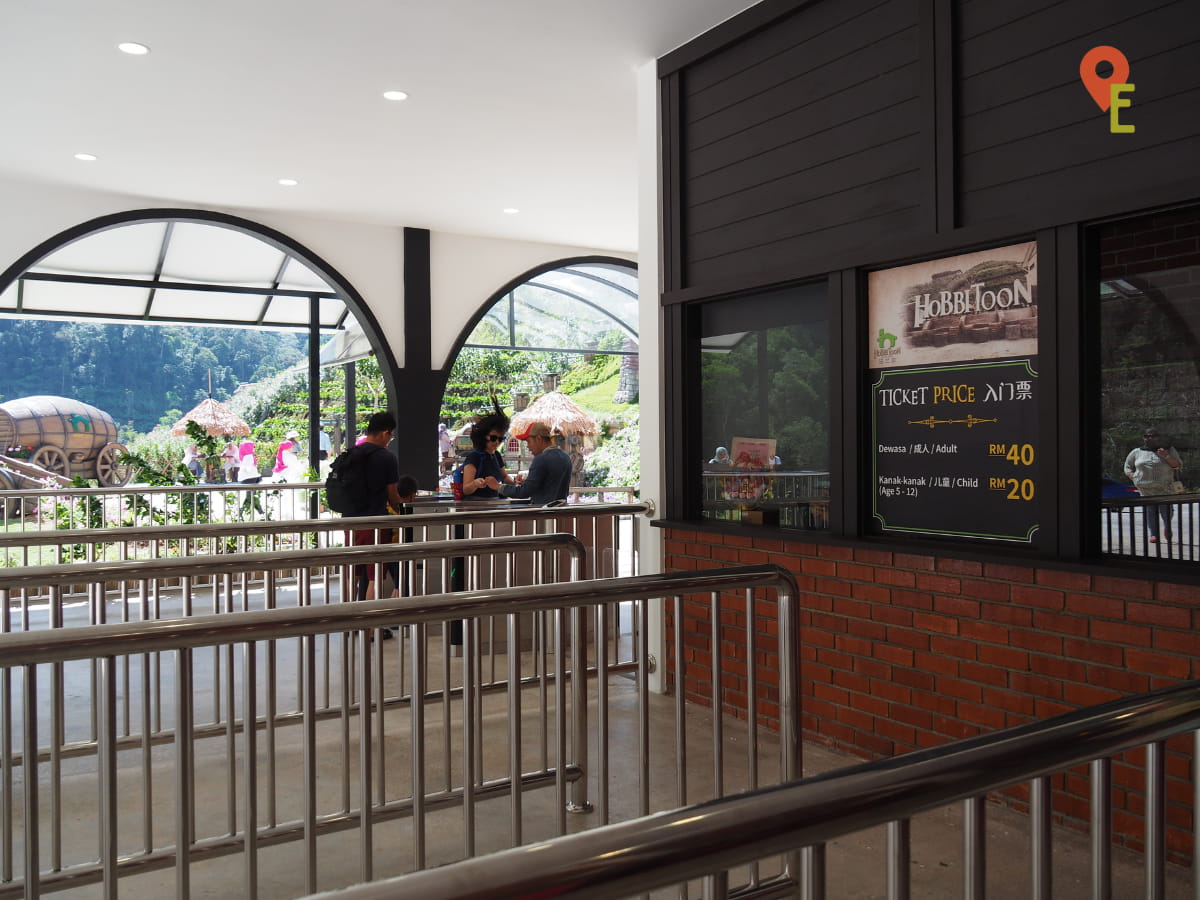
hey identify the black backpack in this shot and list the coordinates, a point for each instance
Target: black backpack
(346, 489)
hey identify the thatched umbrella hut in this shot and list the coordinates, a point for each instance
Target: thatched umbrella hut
(559, 412)
(563, 416)
(216, 418)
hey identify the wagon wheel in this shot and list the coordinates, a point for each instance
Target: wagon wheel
(109, 470)
(52, 459)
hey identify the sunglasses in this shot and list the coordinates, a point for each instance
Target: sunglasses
(495, 437)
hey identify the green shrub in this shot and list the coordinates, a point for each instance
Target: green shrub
(617, 461)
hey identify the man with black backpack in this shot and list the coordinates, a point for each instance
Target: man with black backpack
(370, 474)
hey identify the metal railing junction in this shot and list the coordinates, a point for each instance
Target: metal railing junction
(709, 840)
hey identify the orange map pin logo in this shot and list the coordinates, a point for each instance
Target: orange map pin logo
(1100, 88)
(1107, 91)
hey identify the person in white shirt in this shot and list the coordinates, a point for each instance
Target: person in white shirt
(1154, 468)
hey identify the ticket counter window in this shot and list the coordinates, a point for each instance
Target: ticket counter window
(1148, 298)
(764, 407)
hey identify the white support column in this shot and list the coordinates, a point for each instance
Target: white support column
(650, 342)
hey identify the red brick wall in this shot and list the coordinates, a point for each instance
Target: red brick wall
(902, 651)
(1149, 244)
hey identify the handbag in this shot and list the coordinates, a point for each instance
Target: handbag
(1177, 485)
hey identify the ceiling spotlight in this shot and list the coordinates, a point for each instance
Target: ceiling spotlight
(85, 157)
(395, 95)
(288, 182)
(133, 48)
(511, 210)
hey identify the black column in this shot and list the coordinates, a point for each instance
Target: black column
(419, 388)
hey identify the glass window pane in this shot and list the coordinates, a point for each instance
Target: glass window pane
(1149, 304)
(579, 308)
(764, 401)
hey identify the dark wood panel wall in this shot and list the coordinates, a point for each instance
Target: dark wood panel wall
(814, 135)
(1030, 139)
(802, 138)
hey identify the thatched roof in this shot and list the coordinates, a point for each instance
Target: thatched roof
(217, 418)
(559, 412)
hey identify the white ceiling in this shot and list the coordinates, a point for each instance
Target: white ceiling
(524, 103)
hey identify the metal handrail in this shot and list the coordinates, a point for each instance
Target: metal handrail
(696, 841)
(67, 574)
(237, 529)
(62, 644)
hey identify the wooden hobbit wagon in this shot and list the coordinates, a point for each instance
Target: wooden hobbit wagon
(63, 436)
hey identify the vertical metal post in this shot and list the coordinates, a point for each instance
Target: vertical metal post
(681, 754)
(643, 711)
(718, 718)
(812, 885)
(579, 679)
(974, 850)
(715, 886)
(6, 748)
(1156, 820)
(514, 727)
(250, 766)
(418, 743)
(57, 739)
(790, 697)
(107, 738)
(365, 766)
(270, 715)
(469, 679)
(377, 655)
(602, 767)
(30, 765)
(309, 723)
(1039, 821)
(1196, 814)
(561, 719)
(1101, 829)
(899, 859)
(183, 773)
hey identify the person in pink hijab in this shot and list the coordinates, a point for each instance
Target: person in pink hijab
(247, 472)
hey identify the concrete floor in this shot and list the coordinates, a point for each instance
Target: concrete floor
(855, 864)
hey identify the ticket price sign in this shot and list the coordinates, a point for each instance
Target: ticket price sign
(955, 450)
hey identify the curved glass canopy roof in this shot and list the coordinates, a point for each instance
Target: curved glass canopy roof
(173, 271)
(179, 271)
(581, 308)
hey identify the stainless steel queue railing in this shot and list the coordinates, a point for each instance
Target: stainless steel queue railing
(609, 530)
(609, 534)
(708, 840)
(315, 577)
(225, 817)
(54, 506)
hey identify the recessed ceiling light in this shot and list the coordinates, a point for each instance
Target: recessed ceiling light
(395, 95)
(133, 48)
(511, 210)
(288, 182)
(86, 157)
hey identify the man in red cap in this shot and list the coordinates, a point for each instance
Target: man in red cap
(549, 476)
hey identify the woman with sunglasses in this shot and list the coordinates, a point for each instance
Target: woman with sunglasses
(483, 471)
